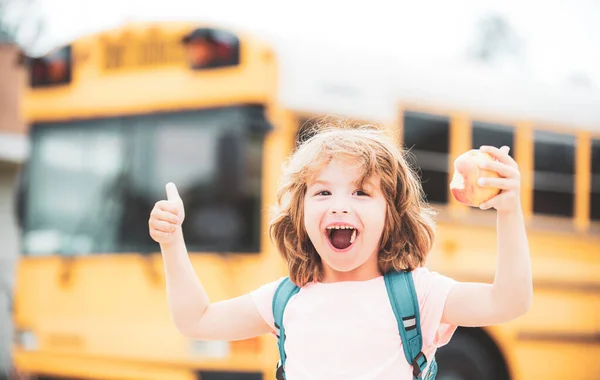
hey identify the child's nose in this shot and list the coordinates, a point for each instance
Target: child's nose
(339, 210)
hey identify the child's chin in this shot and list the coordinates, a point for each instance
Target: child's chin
(342, 264)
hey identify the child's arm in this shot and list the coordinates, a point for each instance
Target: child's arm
(191, 310)
(510, 296)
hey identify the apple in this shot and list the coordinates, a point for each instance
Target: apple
(464, 185)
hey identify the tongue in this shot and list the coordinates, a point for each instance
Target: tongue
(340, 239)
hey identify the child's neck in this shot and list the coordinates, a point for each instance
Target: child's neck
(364, 272)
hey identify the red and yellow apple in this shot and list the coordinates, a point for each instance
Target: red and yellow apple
(467, 171)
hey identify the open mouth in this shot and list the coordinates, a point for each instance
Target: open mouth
(341, 237)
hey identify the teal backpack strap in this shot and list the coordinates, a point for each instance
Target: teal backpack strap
(285, 290)
(403, 297)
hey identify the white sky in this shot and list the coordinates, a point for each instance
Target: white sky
(560, 37)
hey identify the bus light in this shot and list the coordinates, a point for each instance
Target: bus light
(209, 48)
(52, 69)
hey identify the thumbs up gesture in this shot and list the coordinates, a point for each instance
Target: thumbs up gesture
(167, 216)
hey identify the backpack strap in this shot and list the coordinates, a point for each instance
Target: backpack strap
(403, 297)
(285, 290)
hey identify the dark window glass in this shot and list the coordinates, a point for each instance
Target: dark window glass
(492, 134)
(554, 173)
(427, 138)
(92, 184)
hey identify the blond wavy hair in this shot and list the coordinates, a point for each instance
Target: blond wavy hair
(408, 233)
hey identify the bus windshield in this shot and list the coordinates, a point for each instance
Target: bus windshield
(90, 185)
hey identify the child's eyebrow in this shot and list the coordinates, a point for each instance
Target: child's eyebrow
(359, 182)
(319, 182)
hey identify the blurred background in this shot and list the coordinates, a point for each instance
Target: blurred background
(102, 103)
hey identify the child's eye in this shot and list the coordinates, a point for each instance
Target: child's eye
(323, 192)
(361, 193)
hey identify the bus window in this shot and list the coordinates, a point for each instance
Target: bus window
(595, 196)
(214, 157)
(554, 172)
(427, 139)
(71, 173)
(492, 134)
(94, 183)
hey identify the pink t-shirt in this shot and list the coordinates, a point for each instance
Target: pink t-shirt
(347, 330)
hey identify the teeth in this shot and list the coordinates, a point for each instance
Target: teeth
(353, 237)
(340, 228)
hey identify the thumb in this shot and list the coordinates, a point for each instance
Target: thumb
(172, 193)
(505, 149)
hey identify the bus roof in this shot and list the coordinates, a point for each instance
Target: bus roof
(331, 75)
(370, 86)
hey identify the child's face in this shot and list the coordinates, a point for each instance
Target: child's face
(333, 199)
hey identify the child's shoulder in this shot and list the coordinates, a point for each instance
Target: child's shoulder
(423, 275)
(268, 288)
(431, 287)
(263, 299)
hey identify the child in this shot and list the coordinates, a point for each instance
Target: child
(349, 210)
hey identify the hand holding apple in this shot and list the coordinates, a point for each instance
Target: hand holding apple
(487, 178)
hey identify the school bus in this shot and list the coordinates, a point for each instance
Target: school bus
(115, 115)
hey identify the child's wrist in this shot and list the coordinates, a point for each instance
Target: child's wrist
(516, 211)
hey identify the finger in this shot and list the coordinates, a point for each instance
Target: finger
(168, 206)
(159, 225)
(165, 216)
(502, 169)
(501, 154)
(172, 193)
(500, 183)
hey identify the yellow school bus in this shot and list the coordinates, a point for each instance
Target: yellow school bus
(115, 115)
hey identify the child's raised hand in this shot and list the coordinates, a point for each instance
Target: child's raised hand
(509, 182)
(166, 216)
